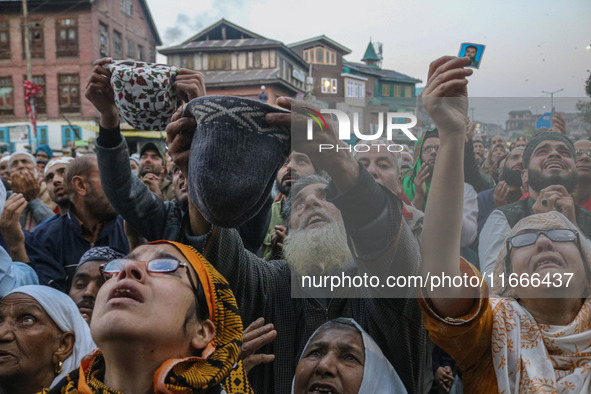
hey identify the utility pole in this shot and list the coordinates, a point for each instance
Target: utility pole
(29, 66)
(27, 43)
(552, 99)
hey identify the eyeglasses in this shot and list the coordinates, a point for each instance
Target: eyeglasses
(581, 153)
(154, 266)
(555, 235)
(432, 148)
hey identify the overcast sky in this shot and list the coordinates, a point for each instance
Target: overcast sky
(530, 45)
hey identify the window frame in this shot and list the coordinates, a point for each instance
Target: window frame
(74, 102)
(117, 45)
(103, 39)
(37, 47)
(219, 62)
(127, 7)
(5, 53)
(130, 44)
(66, 47)
(331, 88)
(7, 109)
(69, 134)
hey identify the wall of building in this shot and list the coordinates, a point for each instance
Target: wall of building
(251, 92)
(134, 27)
(49, 66)
(108, 12)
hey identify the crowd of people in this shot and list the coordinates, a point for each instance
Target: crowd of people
(181, 271)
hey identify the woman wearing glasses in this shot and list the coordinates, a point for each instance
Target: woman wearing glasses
(165, 321)
(534, 333)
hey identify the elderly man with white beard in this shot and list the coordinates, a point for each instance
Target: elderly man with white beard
(376, 241)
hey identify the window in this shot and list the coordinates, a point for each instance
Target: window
(117, 45)
(407, 91)
(220, 61)
(5, 137)
(397, 91)
(130, 48)
(4, 40)
(283, 69)
(140, 53)
(104, 39)
(69, 92)
(70, 134)
(254, 60)
(320, 55)
(66, 37)
(329, 85)
(40, 102)
(6, 96)
(385, 90)
(355, 89)
(42, 135)
(35, 40)
(127, 7)
(187, 61)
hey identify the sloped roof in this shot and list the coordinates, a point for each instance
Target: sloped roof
(211, 39)
(214, 32)
(257, 77)
(370, 53)
(324, 40)
(380, 73)
(219, 45)
(231, 76)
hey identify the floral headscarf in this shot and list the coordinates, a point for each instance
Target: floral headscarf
(542, 221)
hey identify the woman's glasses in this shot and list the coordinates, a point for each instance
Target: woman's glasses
(155, 266)
(555, 235)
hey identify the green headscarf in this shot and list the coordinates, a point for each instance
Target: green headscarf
(408, 179)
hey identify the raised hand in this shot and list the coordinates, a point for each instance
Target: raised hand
(556, 198)
(189, 84)
(100, 93)
(179, 135)
(445, 96)
(257, 335)
(25, 183)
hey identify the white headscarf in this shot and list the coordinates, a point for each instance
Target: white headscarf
(532, 357)
(64, 312)
(379, 376)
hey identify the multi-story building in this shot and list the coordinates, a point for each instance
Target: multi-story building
(65, 37)
(238, 62)
(325, 59)
(521, 121)
(388, 88)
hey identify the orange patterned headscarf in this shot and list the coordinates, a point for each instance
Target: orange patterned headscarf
(219, 364)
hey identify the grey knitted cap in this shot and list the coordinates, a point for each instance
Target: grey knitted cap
(235, 156)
